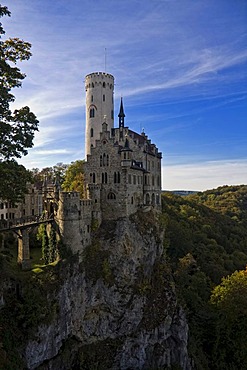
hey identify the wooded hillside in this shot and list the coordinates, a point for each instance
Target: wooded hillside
(207, 241)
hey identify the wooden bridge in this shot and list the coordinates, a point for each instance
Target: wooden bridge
(21, 227)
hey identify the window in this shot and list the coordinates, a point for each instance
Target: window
(104, 177)
(111, 196)
(134, 179)
(91, 98)
(101, 161)
(104, 97)
(91, 113)
(94, 178)
(91, 132)
(116, 177)
(112, 114)
(103, 84)
(107, 160)
(129, 179)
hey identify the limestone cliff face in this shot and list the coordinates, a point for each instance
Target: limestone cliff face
(117, 308)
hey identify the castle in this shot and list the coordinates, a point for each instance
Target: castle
(122, 174)
(122, 168)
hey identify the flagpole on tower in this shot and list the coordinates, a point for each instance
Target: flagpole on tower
(105, 59)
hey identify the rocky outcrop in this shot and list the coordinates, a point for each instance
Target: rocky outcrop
(117, 309)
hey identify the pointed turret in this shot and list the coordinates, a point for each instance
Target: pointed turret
(121, 114)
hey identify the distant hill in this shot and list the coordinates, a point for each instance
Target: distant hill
(180, 192)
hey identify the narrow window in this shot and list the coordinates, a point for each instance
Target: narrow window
(91, 98)
(103, 84)
(94, 178)
(91, 132)
(91, 113)
(112, 114)
(101, 161)
(104, 97)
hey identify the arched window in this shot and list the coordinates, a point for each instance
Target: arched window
(107, 160)
(91, 113)
(147, 199)
(111, 195)
(104, 177)
(91, 132)
(104, 159)
(101, 161)
(103, 97)
(103, 84)
(153, 199)
(116, 177)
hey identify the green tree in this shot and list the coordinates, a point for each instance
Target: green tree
(230, 301)
(74, 178)
(52, 246)
(16, 128)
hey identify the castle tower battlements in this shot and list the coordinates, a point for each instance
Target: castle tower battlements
(99, 88)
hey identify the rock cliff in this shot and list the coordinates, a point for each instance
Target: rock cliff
(116, 306)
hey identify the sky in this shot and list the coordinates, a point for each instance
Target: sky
(180, 66)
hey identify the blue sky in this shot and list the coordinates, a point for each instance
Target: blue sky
(180, 65)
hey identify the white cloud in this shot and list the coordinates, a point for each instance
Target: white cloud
(204, 175)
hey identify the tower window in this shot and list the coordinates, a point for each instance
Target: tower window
(91, 98)
(103, 84)
(112, 114)
(104, 97)
(92, 113)
(91, 132)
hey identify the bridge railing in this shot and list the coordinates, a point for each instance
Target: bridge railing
(8, 224)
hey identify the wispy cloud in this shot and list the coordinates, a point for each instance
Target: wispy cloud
(204, 175)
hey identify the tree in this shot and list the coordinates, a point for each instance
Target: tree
(230, 301)
(74, 178)
(16, 128)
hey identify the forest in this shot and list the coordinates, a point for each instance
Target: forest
(207, 249)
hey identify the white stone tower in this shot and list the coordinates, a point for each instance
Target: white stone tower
(99, 106)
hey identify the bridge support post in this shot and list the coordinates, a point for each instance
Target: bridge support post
(23, 249)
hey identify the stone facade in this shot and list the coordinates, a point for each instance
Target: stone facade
(99, 88)
(122, 169)
(32, 205)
